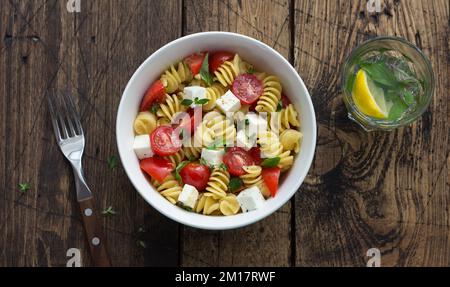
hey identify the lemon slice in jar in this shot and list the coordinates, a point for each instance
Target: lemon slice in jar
(368, 98)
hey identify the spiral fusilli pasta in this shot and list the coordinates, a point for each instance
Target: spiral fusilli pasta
(203, 136)
(270, 144)
(144, 123)
(207, 204)
(212, 94)
(218, 183)
(169, 188)
(174, 77)
(228, 71)
(171, 106)
(253, 177)
(291, 140)
(286, 160)
(268, 102)
(221, 128)
(229, 205)
(192, 152)
(177, 157)
(289, 118)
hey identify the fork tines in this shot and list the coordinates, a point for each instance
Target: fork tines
(65, 120)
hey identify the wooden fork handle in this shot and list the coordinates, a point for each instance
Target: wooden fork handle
(94, 234)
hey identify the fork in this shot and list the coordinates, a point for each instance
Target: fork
(70, 137)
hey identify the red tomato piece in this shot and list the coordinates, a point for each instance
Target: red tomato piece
(247, 88)
(165, 141)
(157, 167)
(252, 108)
(195, 174)
(188, 124)
(235, 158)
(155, 93)
(271, 176)
(285, 100)
(194, 62)
(185, 124)
(216, 59)
(255, 153)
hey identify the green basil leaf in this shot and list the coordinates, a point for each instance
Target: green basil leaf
(180, 166)
(350, 83)
(186, 102)
(380, 73)
(112, 162)
(109, 211)
(235, 184)
(279, 106)
(201, 102)
(154, 108)
(251, 70)
(223, 167)
(271, 162)
(181, 205)
(204, 72)
(24, 186)
(408, 98)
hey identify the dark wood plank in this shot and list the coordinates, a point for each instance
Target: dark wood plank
(267, 243)
(382, 190)
(93, 53)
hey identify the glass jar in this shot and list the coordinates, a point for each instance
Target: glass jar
(416, 58)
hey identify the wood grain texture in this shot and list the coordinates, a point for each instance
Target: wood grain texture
(384, 190)
(267, 243)
(93, 53)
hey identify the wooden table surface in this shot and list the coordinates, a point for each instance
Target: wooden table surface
(379, 190)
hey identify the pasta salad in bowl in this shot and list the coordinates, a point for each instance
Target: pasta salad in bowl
(221, 134)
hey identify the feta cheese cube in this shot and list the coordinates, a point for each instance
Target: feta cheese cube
(194, 92)
(255, 124)
(188, 196)
(142, 146)
(212, 157)
(245, 141)
(250, 199)
(228, 102)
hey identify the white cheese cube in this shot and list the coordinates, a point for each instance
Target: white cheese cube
(142, 146)
(228, 103)
(194, 92)
(245, 141)
(250, 199)
(212, 157)
(188, 196)
(255, 124)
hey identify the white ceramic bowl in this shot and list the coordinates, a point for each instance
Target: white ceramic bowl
(265, 59)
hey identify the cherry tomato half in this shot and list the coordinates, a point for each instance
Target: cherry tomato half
(194, 62)
(235, 158)
(157, 167)
(216, 59)
(155, 93)
(285, 100)
(165, 141)
(195, 174)
(247, 88)
(271, 176)
(255, 153)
